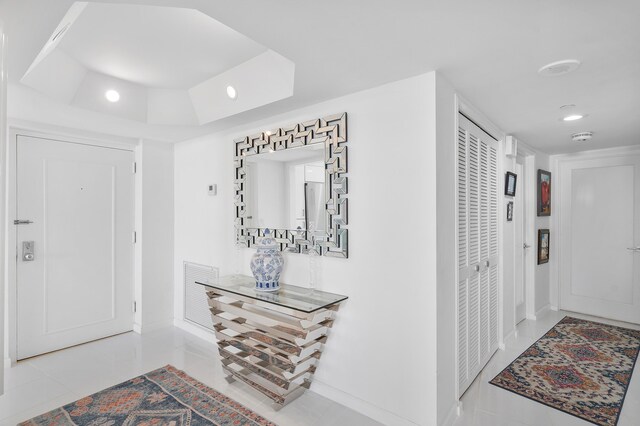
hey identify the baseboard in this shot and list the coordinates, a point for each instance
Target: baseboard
(198, 331)
(542, 311)
(147, 328)
(350, 401)
(452, 415)
(509, 336)
(363, 407)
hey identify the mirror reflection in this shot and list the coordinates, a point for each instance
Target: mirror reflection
(286, 189)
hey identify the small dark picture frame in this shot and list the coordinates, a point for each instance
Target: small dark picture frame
(509, 211)
(544, 240)
(544, 193)
(510, 181)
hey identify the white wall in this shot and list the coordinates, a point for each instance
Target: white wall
(543, 272)
(3, 181)
(446, 119)
(155, 235)
(381, 356)
(539, 273)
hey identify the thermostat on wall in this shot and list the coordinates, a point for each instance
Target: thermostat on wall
(213, 189)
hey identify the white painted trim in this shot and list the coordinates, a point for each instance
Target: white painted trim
(73, 135)
(320, 388)
(148, 328)
(539, 313)
(363, 407)
(452, 415)
(479, 118)
(598, 153)
(194, 329)
(543, 311)
(8, 363)
(11, 265)
(558, 164)
(513, 334)
(530, 231)
(553, 308)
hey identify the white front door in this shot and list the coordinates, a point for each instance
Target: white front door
(600, 231)
(75, 259)
(521, 245)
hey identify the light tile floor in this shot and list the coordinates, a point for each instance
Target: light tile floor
(40, 384)
(484, 404)
(49, 381)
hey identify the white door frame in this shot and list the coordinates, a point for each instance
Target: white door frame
(14, 132)
(558, 165)
(467, 109)
(527, 158)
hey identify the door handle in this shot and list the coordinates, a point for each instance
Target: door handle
(526, 246)
(21, 222)
(477, 268)
(634, 248)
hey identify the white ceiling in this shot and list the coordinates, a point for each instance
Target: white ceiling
(170, 66)
(490, 50)
(161, 47)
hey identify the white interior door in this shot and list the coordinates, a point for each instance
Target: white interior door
(521, 246)
(77, 285)
(477, 292)
(601, 238)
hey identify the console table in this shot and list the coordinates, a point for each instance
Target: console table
(270, 341)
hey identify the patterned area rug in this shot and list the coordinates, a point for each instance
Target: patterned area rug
(164, 397)
(580, 367)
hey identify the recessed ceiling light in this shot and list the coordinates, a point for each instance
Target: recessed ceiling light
(112, 95)
(573, 117)
(232, 93)
(559, 67)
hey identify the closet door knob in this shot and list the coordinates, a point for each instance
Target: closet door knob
(477, 268)
(487, 263)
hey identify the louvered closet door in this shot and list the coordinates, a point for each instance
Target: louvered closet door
(477, 292)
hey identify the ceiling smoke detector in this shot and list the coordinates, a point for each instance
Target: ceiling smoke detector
(559, 68)
(582, 136)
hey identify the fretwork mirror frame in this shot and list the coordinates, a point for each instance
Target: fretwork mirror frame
(330, 131)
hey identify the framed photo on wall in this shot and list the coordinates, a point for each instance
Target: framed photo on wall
(509, 211)
(544, 193)
(510, 180)
(543, 246)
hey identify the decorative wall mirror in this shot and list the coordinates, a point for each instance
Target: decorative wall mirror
(292, 181)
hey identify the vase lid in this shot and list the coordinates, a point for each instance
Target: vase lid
(267, 241)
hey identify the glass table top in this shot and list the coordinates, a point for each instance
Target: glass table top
(289, 296)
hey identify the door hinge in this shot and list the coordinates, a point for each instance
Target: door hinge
(135, 237)
(135, 307)
(135, 167)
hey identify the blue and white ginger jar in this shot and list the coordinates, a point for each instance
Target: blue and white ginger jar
(267, 263)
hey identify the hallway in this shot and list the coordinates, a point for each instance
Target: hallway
(487, 405)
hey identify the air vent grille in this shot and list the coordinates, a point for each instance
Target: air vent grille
(196, 306)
